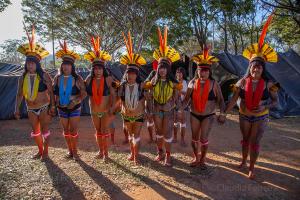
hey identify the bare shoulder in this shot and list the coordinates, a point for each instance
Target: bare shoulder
(191, 83)
(240, 83)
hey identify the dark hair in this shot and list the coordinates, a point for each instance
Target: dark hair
(150, 76)
(209, 76)
(169, 77)
(124, 78)
(105, 72)
(73, 72)
(39, 69)
(262, 63)
(182, 70)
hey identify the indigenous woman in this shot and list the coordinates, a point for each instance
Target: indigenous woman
(180, 117)
(102, 96)
(36, 86)
(69, 91)
(257, 95)
(165, 95)
(205, 94)
(132, 98)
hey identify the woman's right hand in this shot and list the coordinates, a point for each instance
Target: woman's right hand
(17, 115)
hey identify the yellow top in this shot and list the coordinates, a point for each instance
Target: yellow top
(30, 93)
(163, 93)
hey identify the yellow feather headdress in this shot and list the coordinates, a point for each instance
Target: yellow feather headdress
(31, 48)
(204, 58)
(131, 58)
(97, 55)
(164, 51)
(261, 50)
(66, 54)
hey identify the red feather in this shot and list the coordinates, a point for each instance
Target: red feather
(205, 51)
(155, 65)
(161, 42)
(32, 37)
(165, 36)
(130, 45)
(65, 46)
(264, 31)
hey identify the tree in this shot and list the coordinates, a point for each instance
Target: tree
(4, 4)
(76, 21)
(290, 8)
(9, 52)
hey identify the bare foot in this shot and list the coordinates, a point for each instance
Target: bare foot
(99, 155)
(69, 155)
(242, 165)
(106, 158)
(159, 157)
(194, 163)
(168, 162)
(76, 157)
(251, 175)
(130, 157)
(36, 156)
(136, 161)
(45, 156)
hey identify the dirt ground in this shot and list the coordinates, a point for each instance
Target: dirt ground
(278, 168)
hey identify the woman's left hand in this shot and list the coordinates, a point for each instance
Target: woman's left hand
(221, 119)
(52, 111)
(71, 105)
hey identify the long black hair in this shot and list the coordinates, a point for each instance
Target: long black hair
(181, 70)
(254, 62)
(169, 77)
(138, 77)
(105, 71)
(73, 72)
(39, 70)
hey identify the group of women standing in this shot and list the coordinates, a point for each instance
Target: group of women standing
(162, 99)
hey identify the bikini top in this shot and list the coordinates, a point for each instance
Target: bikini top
(265, 96)
(105, 89)
(140, 91)
(211, 94)
(75, 90)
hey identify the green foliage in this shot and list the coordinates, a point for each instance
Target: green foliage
(9, 54)
(4, 4)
